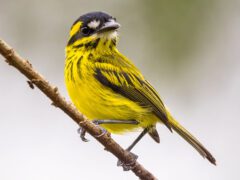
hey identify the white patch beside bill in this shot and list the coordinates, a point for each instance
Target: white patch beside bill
(108, 35)
(113, 35)
(93, 24)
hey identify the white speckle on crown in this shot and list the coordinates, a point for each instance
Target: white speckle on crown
(93, 24)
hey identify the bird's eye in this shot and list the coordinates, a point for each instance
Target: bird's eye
(86, 31)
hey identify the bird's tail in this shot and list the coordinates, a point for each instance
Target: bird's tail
(190, 139)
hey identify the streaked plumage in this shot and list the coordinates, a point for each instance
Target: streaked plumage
(104, 84)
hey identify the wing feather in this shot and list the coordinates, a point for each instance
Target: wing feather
(129, 83)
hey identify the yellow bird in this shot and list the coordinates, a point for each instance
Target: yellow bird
(108, 88)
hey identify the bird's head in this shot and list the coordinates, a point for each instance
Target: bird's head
(93, 27)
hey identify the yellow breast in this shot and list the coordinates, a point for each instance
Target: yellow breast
(98, 102)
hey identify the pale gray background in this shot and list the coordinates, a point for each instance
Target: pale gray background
(189, 50)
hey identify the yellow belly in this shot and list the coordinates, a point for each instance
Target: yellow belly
(98, 102)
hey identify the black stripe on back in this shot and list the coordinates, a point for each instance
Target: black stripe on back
(79, 66)
(133, 94)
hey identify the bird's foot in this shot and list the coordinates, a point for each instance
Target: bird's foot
(104, 131)
(130, 165)
(82, 133)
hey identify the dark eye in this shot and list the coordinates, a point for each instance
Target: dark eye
(86, 31)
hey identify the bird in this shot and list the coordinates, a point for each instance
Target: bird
(109, 89)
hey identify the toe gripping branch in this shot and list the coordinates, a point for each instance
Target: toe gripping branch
(83, 131)
(129, 165)
(98, 122)
(126, 165)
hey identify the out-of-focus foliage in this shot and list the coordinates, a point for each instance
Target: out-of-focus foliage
(176, 26)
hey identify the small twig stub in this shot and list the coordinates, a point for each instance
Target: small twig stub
(30, 84)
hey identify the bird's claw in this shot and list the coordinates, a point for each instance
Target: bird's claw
(82, 133)
(104, 131)
(128, 166)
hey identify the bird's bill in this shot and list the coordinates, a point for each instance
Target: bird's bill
(109, 26)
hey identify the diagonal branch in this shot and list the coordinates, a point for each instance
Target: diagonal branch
(24, 66)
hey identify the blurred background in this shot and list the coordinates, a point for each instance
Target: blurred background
(189, 50)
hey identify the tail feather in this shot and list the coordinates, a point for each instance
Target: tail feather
(191, 139)
(154, 134)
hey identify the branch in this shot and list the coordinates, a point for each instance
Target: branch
(25, 67)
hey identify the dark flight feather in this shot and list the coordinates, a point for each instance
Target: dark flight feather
(135, 88)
